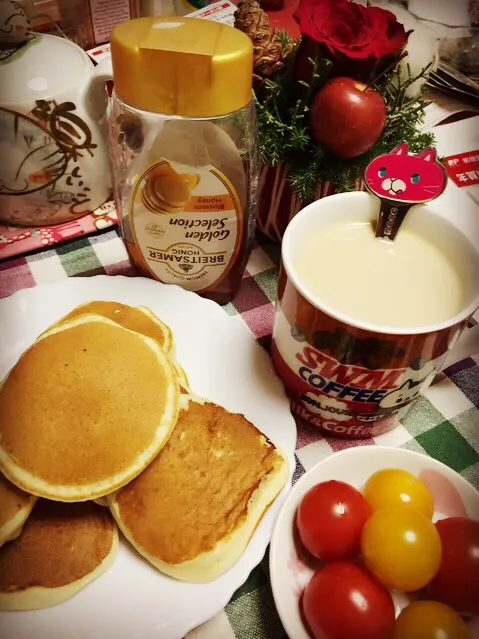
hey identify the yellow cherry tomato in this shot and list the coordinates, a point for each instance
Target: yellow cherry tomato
(402, 548)
(396, 487)
(430, 620)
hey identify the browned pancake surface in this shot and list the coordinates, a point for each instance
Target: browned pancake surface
(12, 500)
(81, 404)
(59, 544)
(127, 316)
(197, 490)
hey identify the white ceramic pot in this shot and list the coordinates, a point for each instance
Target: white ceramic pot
(53, 137)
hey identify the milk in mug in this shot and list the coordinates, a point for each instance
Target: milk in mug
(408, 282)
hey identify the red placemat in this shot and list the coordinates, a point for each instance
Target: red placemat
(18, 240)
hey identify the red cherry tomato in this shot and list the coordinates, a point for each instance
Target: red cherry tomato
(430, 620)
(457, 582)
(343, 601)
(330, 519)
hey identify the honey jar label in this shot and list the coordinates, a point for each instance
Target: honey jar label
(187, 224)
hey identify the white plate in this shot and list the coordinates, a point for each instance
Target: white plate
(224, 364)
(453, 497)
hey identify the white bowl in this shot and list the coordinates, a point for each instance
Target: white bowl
(453, 497)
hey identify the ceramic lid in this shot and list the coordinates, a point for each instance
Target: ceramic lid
(42, 69)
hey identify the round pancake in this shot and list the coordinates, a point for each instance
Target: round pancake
(140, 319)
(61, 549)
(85, 409)
(15, 507)
(192, 512)
(135, 318)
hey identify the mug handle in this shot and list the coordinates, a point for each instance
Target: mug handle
(96, 98)
(466, 346)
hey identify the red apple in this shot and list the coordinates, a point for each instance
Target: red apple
(347, 117)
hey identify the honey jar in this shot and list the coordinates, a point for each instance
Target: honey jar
(184, 153)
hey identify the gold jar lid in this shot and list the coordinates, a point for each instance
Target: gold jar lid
(182, 66)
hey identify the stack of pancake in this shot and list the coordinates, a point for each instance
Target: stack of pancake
(97, 412)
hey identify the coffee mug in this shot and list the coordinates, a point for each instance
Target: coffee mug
(347, 377)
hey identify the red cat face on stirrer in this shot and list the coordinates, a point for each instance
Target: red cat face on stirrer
(403, 177)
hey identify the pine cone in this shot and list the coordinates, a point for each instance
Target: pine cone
(269, 52)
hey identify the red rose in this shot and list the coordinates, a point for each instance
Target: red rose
(350, 29)
(359, 41)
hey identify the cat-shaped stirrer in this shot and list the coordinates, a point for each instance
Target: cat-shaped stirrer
(401, 180)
